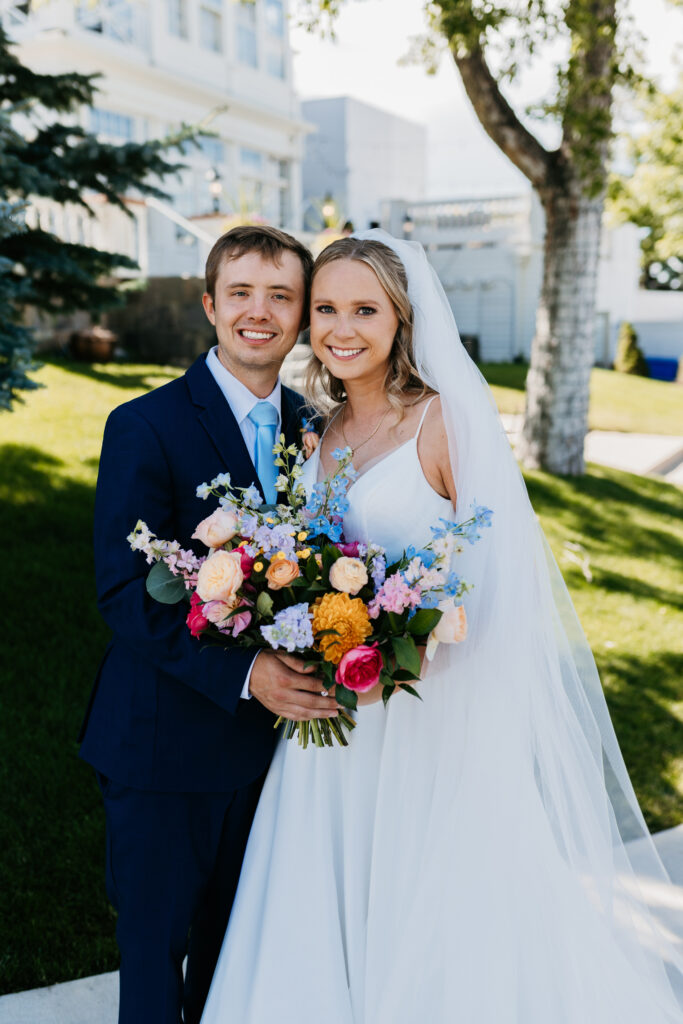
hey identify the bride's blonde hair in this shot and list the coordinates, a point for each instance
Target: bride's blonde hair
(323, 390)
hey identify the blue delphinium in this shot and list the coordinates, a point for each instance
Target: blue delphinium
(291, 629)
(272, 539)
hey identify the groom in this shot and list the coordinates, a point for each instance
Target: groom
(181, 734)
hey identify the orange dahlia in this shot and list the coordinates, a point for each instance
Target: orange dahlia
(348, 616)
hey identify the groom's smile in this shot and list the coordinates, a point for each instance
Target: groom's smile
(257, 312)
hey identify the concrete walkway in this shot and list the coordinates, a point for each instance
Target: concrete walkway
(645, 454)
(95, 1000)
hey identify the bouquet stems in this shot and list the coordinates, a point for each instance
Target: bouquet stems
(323, 732)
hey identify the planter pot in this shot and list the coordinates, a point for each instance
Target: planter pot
(92, 345)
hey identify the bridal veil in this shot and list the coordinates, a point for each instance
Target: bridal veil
(517, 808)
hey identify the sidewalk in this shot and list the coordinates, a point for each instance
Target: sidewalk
(645, 454)
(95, 1000)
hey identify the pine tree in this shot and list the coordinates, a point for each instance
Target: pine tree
(630, 358)
(44, 153)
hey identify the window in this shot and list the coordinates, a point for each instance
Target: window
(275, 18)
(210, 29)
(247, 42)
(213, 149)
(275, 63)
(177, 18)
(251, 160)
(108, 122)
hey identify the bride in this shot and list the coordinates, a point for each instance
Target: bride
(464, 859)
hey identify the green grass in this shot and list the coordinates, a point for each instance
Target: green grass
(618, 401)
(56, 922)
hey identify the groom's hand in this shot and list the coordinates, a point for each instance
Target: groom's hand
(286, 687)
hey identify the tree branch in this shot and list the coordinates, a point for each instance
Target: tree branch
(499, 119)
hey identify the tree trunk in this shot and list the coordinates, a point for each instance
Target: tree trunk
(562, 352)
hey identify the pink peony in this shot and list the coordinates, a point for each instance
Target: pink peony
(359, 668)
(196, 620)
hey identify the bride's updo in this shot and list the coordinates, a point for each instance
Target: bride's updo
(402, 376)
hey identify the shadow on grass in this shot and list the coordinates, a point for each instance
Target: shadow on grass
(606, 510)
(638, 692)
(120, 375)
(56, 923)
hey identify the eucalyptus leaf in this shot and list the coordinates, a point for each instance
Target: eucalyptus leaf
(163, 586)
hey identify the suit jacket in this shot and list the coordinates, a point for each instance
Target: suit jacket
(165, 713)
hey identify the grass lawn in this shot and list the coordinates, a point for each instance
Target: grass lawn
(619, 401)
(56, 922)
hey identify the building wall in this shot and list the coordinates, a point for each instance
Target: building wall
(361, 155)
(168, 62)
(488, 254)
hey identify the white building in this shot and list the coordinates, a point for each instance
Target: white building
(488, 254)
(167, 62)
(360, 155)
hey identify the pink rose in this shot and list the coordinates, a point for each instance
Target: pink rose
(196, 620)
(217, 529)
(247, 562)
(359, 668)
(350, 550)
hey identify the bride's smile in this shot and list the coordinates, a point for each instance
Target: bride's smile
(353, 321)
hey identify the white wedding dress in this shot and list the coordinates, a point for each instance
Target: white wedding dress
(413, 878)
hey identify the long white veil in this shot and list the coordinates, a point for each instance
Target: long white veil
(531, 804)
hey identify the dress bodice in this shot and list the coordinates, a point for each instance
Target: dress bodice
(391, 503)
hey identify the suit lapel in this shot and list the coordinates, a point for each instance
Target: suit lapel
(217, 419)
(291, 405)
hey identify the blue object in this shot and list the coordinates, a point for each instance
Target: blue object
(662, 368)
(264, 417)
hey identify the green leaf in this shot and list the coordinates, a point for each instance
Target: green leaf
(387, 691)
(163, 586)
(397, 622)
(410, 689)
(311, 569)
(401, 675)
(423, 621)
(347, 698)
(386, 678)
(264, 604)
(406, 653)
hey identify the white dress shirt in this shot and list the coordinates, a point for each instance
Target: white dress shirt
(241, 401)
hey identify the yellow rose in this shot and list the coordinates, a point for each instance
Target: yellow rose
(451, 627)
(348, 574)
(217, 529)
(281, 572)
(348, 617)
(220, 576)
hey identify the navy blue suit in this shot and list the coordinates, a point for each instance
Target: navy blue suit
(179, 755)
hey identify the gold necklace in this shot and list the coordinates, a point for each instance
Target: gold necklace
(370, 436)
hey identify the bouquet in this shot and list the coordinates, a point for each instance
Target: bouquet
(283, 577)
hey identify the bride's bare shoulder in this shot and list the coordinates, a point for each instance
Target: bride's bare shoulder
(434, 452)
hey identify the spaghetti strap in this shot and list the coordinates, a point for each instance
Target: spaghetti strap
(422, 417)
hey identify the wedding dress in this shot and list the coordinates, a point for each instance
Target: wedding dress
(463, 860)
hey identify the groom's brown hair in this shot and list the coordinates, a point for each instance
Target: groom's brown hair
(268, 242)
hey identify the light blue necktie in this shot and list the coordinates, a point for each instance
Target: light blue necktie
(264, 417)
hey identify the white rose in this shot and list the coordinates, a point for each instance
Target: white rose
(218, 528)
(220, 576)
(348, 575)
(451, 627)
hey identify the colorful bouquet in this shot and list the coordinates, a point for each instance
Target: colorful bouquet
(283, 577)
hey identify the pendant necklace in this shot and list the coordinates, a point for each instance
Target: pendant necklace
(369, 437)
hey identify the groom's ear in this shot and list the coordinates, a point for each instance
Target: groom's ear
(207, 303)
